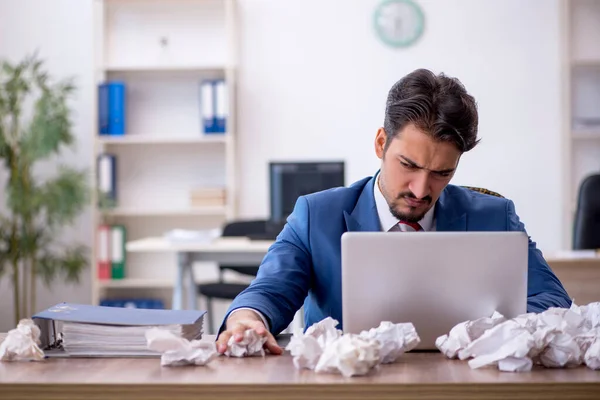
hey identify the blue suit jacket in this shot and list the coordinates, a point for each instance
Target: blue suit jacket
(305, 260)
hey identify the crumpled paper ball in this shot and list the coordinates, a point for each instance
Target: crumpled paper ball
(349, 355)
(178, 351)
(251, 345)
(22, 343)
(395, 339)
(555, 338)
(464, 333)
(323, 348)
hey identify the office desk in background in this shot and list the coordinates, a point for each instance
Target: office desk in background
(426, 376)
(231, 251)
(579, 271)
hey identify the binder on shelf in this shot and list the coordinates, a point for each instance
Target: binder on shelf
(207, 106)
(107, 180)
(117, 251)
(112, 102)
(146, 303)
(221, 109)
(79, 330)
(103, 258)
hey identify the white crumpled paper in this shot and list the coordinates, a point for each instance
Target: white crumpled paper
(22, 343)
(395, 339)
(323, 347)
(464, 333)
(349, 355)
(178, 351)
(555, 338)
(251, 345)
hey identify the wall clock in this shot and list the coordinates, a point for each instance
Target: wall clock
(398, 23)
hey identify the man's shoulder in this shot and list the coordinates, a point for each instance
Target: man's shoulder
(342, 197)
(477, 199)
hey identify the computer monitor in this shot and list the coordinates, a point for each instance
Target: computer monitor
(290, 180)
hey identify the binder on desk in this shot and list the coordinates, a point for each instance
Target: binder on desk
(103, 258)
(79, 330)
(221, 110)
(107, 180)
(117, 250)
(112, 108)
(207, 105)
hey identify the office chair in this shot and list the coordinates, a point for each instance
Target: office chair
(586, 227)
(226, 290)
(484, 191)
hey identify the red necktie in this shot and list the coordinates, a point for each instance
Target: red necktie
(413, 225)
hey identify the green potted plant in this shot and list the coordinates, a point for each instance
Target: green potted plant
(35, 128)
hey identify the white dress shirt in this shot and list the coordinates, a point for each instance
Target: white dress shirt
(387, 222)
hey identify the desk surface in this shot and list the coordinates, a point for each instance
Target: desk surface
(223, 245)
(422, 375)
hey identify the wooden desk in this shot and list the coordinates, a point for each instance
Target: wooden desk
(424, 376)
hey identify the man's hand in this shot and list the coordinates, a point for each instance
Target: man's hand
(241, 321)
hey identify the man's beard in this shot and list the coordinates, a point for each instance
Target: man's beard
(411, 216)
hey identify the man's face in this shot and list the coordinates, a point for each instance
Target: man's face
(414, 171)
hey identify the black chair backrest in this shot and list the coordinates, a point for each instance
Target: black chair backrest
(586, 229)
(243, 228)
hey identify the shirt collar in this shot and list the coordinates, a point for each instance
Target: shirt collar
(387, 220)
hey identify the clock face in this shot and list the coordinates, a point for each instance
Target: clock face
(399, 23)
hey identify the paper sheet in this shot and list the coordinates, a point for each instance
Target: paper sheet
(555, 338)
(251, 345)
(178, 351)
(324, 349)
(22, 343)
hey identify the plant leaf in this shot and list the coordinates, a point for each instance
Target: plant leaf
(69, 264)
(65, 196)
(50, 127)
(4, 245)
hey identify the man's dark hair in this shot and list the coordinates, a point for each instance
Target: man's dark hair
(438, 105)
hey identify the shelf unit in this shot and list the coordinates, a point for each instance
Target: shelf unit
(581, 101)
(163, 50)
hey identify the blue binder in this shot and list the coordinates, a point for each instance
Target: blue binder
(107, 179)
(112, 101)
(207, 106)
(112, 322)
(119, 315)
(221, 109)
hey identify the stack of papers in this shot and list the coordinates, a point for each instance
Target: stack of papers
(112, 340)
(96, 331)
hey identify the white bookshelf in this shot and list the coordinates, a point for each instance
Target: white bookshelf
(581, 95)
(132, 283)
(163, 50)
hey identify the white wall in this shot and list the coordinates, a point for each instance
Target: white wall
(61, 31)
(313, 84)
(315, 78)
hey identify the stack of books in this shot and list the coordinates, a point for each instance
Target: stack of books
(207, 197)
(79, 330)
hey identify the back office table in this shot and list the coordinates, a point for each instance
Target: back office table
(578, 271)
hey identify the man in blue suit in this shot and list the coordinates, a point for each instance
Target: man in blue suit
(430, 121)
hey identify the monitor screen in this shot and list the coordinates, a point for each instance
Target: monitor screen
(290, 180)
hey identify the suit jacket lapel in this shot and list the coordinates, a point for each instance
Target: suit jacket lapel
(364, 217)
(449, 216)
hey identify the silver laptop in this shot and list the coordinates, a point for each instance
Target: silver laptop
(432, 279)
